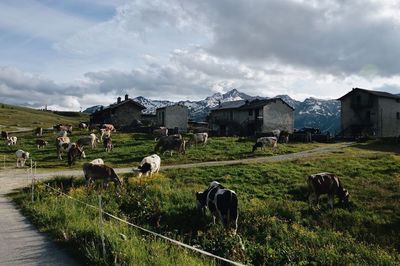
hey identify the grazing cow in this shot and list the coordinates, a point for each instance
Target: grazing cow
(74, 152)
(62, 144)
(221, 202)
(22, 156)
(62, 127)
(100, 171)
(91, 141)
(12, 140)
(82, 125)
(264, 142)
(107, 143)
(97, 161)
(41, 143)
(199, 138)
(160, 132)
(284, 137)
(326, 183)
(39, 131)
(109, 127)
(104, 132)
(93, 127)
(4, 134)
(149, 165)
(171, 143)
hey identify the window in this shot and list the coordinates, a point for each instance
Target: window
(250, 112)
(397, 100)
(368, 116)
(398, 115)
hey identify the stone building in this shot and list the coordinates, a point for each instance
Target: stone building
(173, 116)
(370, 113)
(251, 117)
(121, 114)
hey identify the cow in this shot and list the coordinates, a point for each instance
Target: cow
(149, 165)
(284, 137)
(39, 131)
(83, 125)
(62, 144)
(265, 141)
(199, 138)
(4, 134)
(22, 156)
(221, 202)
(107, 143)
(100, 171)
(90, 140)
(74, 152)
(97, 161)
(12, 140)
(93, 127)
(160, 132)
(109, 127)
(41, 143)
(62, 127)
(326, 183)
(171, 143)
(105, 132)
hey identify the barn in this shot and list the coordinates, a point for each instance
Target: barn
(123, 113)
(173, 116)
(251, 117)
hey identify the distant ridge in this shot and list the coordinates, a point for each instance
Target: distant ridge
(312, 112)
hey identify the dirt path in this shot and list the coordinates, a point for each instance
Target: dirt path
(22, 244)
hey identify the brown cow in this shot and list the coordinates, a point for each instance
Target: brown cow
(100, 171)
(40, 143)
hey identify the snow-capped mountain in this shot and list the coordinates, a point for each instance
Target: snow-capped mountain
(92, 109)
(312, 112)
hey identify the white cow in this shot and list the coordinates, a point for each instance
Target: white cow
(149, 165)
(97, 161)
(199, 138)
(12, 140)
(22, 156)
(62, 144)
(90, 140)
(105, 132)
(264, 142)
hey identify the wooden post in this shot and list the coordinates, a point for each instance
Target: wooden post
(4, 162)
(33, 187)
(102, 229)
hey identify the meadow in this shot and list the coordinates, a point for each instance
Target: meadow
(130, 148)
(276, 225)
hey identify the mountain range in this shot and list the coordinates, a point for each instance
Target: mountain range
(312, 112)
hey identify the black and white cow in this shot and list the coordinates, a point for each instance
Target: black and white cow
(221, 202)
(149, 165)
(264, 142)
(326, 183)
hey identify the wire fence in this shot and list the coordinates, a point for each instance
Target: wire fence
(32, 176)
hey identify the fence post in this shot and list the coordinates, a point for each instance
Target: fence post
(4, 162)
(33, 184)
(102, 229)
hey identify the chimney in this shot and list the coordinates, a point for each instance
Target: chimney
(126, 97)
(219, 103)
(119, 100)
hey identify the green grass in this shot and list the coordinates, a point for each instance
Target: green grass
(129, 150)
(14, 118)
(276, 225)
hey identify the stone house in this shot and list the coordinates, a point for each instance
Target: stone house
(251, 117)
(370, 113)
(121, 114)
(173, 116)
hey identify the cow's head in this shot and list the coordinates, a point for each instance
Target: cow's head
(257, 145)
(344, 196)
(201, 198)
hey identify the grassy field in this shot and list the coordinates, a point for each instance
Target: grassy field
(15, 118)
(276, 225)
(129, 150)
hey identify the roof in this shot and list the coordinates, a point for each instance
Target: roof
(167, 106)
(375, 93)
(116, 105)
(258, 103)
(228, 105)
(244, 105)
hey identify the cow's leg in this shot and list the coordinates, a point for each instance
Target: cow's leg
(310, 199)
(330, 200)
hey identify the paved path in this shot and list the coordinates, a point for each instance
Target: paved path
(22, 244)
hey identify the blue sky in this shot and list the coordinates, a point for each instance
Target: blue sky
(78, 53)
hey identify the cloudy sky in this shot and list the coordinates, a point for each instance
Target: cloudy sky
(78, 53)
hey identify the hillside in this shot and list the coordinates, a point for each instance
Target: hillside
(20, 118)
